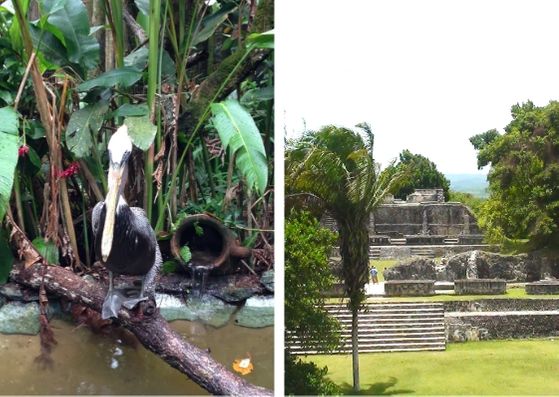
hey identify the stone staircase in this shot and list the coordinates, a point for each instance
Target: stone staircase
(398, 241)
(424, 252)
(374, 252)
(451, 240)
(390, 327)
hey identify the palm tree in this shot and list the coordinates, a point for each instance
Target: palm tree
(336, 167)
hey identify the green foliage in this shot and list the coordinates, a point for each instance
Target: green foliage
(306, 378)
(90, 101)
(419, 173)
(131, 110)
(141, 131)
(123, 77)
(11, 73)
(47, 249)
(261, 40)
(68, 21)
(169, 267)
(308, 275)
(211, 23)
(9, 143)
(143, 6)
(186, 254)
(524, 177)
(198, 229)
(471, 201)
(238, 132)
(336, 167)
(82, 125)
(6, 257)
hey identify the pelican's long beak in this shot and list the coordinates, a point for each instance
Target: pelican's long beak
(111, 202)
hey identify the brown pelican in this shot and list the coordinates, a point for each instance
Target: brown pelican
(124, 239)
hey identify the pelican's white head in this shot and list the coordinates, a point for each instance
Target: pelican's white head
(120, 148)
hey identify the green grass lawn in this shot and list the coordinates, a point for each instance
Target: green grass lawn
(512, 293)
(520, 367)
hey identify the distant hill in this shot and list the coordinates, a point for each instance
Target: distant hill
(475, 184)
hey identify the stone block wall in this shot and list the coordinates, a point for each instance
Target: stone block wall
(405, 251)
(479, 326)
(501, 305)
(409, 288)
(543, 288)
(480, 287)
(433, 218)
(419, 219)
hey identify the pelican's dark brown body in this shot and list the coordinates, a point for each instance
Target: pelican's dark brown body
(134, 244)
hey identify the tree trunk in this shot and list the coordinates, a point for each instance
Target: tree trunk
(355, 349)
(152, 331)
(354, 242)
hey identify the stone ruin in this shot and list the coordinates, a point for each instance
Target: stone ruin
(475, 265)
(424, 218)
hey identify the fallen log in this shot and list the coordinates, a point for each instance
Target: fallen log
(152, 331)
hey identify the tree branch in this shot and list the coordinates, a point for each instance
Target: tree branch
(153, 331)
(135, 26)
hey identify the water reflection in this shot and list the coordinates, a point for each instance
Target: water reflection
(86, 363)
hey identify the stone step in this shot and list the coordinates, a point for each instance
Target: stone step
(444, 285)
(398, 241)
(395, 316)
(383, 345)
(387, 327)
(396, 338)
(399, 339)
(384, 314)
(400, 328)
(391, 350)
(428, 309)
(450, 240)
(398, 322)
(392, 317)
(423, 253)
(368, 317)
(389, 305)
(427, 330)
(397, 333)
(391, 326)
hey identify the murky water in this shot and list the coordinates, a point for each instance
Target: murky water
(87, 363)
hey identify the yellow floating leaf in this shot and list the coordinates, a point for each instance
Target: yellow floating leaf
(243, 366)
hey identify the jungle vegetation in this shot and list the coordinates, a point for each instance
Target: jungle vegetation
(333, 169)
(523, 203)
(308, 275)
(193, 80)
(418, 173)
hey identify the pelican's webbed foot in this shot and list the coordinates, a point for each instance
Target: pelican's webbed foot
(130, 303)
(112, 304)
(135, 296)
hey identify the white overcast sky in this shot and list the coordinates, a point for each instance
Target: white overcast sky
(426, 75)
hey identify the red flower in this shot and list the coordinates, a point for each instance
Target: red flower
(23, 150)
(72, 169)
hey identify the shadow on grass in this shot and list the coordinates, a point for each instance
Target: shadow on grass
(378, 389)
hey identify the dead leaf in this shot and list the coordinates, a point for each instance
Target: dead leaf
(243, 366)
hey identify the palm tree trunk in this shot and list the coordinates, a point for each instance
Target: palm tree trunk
(354, 241)
(355, 349)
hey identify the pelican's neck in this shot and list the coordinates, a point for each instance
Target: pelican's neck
(121, 202)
